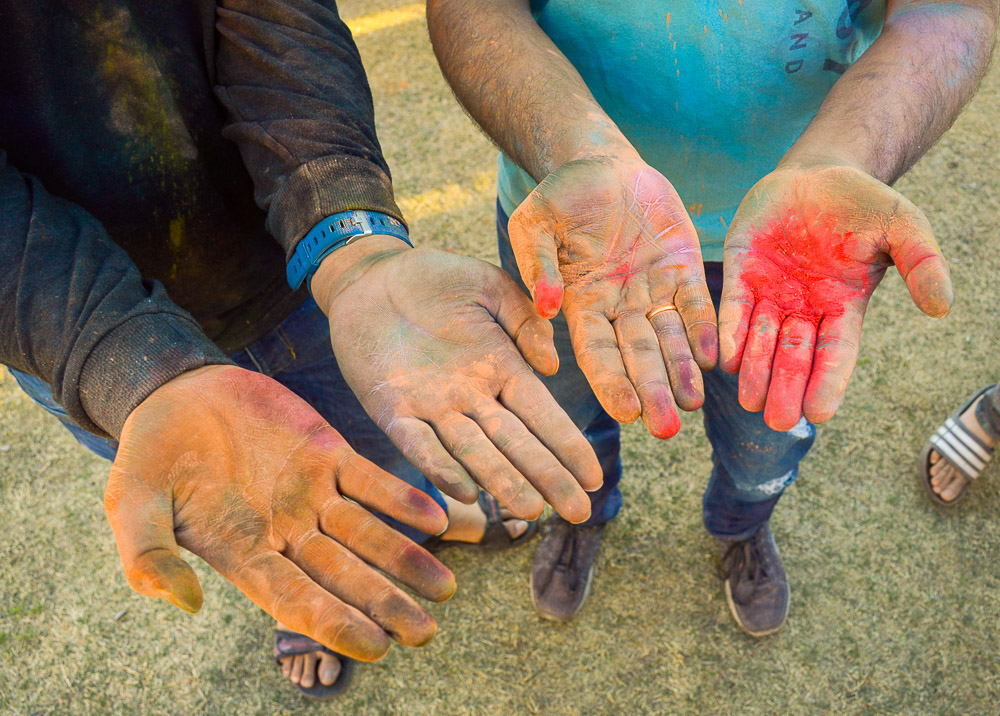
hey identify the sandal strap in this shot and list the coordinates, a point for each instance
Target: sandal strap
(290, 643)
(495, 533)
(960, 447)
(987, 413)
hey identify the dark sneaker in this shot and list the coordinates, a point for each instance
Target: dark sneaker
(755, 583)
(564, 568)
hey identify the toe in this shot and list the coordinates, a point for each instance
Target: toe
(297, 668)
(329, 669)
(954, 488)
(943, 476)
(286, 667)
(309, 670)
(515, 528)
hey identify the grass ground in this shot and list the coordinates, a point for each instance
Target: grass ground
(895, 604)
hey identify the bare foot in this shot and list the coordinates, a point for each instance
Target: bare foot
(946, 481)
(466, 523)
(305, 669)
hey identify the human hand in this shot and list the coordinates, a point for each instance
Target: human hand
(608, 241)
(234, 467)
(432, 345)
(803, 255)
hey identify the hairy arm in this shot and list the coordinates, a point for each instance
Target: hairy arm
(518, 86)
(604, 236)
(905, 90)
(813, 239)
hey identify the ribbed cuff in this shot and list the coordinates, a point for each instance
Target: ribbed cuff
(324, 187)
(135, 359)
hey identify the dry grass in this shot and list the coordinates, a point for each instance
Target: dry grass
(895, 603)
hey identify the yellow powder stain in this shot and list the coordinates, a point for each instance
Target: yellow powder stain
(675, 44)
(386, 19)
(176, 233)
(696, 208)
(678, 73)
(706, 29)
(668, 18)
(723, 222)
(450, 198)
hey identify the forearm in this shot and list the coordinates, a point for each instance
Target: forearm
(75, 312)
(903, 93)
(518, 86)
(301, 112)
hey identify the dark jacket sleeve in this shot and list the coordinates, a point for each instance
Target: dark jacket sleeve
(301, 112)
(75, 312)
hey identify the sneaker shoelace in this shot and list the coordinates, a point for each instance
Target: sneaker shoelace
(566, 555)
(745, 559)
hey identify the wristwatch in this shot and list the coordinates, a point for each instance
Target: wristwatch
(334, 232)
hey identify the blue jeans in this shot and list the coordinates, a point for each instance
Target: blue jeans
(752, 464)
(297, 354)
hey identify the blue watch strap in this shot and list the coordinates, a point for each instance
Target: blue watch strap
(336, 231)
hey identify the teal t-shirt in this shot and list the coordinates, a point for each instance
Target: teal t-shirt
(711, 94)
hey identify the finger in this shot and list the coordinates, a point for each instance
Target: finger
(533, 460)
(755, 368)
(513, 311)
(793, 364)
(288, 594)
(685, 375)
(376, 489)
(694, 303)
(143, 524)
(380, 545)
(532, 239)
(923, 268)
(420, 445)
(736, 306)
(596, 347)
(345, 576)
(465, 440)
(526, 397)
(837, 345)
(640, 351)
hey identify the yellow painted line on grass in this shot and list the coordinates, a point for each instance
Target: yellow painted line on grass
(449, 198)
(386, 19)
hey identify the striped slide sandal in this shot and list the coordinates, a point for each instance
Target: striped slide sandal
(956, 444)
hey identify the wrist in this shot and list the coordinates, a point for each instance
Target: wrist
(344, 266)
(593, 142)
(805, 154)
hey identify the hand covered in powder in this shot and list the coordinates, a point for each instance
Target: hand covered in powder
(432, 345)
(234, 467)
(608, 241)
(804, 253)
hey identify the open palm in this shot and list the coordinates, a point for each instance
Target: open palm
(609, 242)
(807, 248)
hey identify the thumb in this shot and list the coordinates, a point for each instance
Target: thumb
(533, 240)
(143, 524)
(922, 266)
(512, 310)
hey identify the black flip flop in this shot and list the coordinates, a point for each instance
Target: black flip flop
(290, 643)
(963, 451)
(495, 537)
